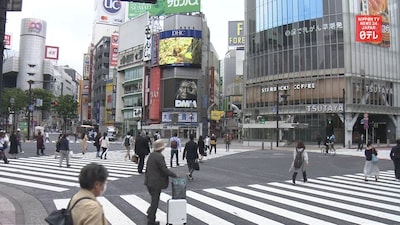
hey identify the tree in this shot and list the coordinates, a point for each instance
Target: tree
(67, 108)
(20, 99)
(46, 97)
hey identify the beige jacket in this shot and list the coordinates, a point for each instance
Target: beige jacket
(87, 211)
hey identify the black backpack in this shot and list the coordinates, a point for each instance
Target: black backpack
(127, 141)
(298, 160)
(62, 216)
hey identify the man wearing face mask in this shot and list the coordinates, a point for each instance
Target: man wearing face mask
(93, 183)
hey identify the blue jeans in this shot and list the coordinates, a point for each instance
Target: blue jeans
(174, 152)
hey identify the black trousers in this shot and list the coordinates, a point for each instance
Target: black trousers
(104, 153)
(396, 163)
(155, 199)
(215, 149)
(141, 163)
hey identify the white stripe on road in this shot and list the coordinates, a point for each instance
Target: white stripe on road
(45, 180)
(142, 206)
(303, 206)
(246, 215)
(336, 204)
(113, 214)
(200, 214)
(33, 185)
(266, 207)
(304, 188)
(360, 184)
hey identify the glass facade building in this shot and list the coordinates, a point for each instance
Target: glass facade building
(306, 74)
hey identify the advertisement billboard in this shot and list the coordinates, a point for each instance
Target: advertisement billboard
(163, 7)
(180, 48)
(371, 10)
(51, 52)
(147, 44)
(7, 41)
(155, 94)
(185, 95)
(236, 35)
(114, 50)
(109, 12)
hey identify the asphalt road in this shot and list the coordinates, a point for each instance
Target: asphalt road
(240, 169)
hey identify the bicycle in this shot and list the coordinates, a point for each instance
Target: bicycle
(331, 149)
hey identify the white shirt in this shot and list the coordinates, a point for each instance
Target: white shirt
(207, 141)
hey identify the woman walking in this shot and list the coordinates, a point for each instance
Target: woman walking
(190, 152)
(105, 144)
(300, 162)
(13, 145)
(84, 143)
(371, 164)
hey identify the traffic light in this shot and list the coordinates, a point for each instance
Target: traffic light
(56, 103)
(329, 121)
(263, 120)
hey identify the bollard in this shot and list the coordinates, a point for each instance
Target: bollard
(349, 144)
(262, 145)
(271, 144)
(388, 142)
(378, 142)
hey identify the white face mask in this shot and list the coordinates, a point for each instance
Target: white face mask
(104, 189)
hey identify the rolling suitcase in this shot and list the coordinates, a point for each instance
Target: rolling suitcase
(176, 211)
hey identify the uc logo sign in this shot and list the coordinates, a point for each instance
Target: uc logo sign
(112, 6)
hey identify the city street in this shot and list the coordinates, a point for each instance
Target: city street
(243, 186)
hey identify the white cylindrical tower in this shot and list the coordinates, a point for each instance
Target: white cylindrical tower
(31, 52)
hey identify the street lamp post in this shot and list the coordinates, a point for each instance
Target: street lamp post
(12, 111)
(30, 108)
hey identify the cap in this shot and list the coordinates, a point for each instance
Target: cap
(18, 129)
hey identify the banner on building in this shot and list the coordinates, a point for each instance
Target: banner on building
(163, 7)
(373, 25)
(109, 12)
(51, 52)
(147, 44)
(114, 50)
(236, 35)
(7, 41)
(217, 115)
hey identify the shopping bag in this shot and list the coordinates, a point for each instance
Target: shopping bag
(178, 188)
(196, 165)
(134, 158)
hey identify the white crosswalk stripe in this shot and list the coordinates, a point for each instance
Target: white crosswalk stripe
(43, 172)
(346, 199)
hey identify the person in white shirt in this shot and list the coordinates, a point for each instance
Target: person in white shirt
(175, 143)
(105, 144)
(128, 143)
(207, 143)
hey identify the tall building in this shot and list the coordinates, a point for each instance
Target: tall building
(307, 75)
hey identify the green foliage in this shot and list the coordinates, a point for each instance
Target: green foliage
(20, 99)
(46, 97)
(67, 107)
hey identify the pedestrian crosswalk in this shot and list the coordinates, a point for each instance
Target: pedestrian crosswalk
(346, 199)
(44, 172)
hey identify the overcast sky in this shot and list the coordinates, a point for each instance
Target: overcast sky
(69, 25)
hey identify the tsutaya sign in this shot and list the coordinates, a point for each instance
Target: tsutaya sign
(287, 87)
(325, 108)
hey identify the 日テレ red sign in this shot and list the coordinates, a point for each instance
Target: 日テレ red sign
(368, 28)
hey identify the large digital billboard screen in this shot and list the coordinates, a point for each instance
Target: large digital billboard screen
(180, 48)
(185, 93)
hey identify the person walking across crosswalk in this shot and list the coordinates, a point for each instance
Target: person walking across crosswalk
(64, 150)
(190, 152)
(300, 162)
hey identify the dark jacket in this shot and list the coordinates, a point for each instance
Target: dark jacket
(142, 146)
(39, 142)
(190, 151)
(13, 144)
(201, 145)
(157, 174)
(395, 152)
(64, 144)
(368, 153)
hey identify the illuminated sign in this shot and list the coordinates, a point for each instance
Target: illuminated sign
(163, 7)
(114, 50)
(180, 48)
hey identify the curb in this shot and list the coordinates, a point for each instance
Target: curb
(28, 209)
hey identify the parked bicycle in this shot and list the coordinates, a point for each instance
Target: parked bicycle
(331, 149)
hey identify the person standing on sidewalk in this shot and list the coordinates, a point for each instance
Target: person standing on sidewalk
(175, 144)
(213, 143)
(201, 145)
(227, 141)
(190, 152)
(300, 149)
(105, 144)
(395, 156)
(64, 150)
(93, 183)
(142, 149)
(156, 178)
(360, 143)
(207, 143)
(13, 145)
(39, 144)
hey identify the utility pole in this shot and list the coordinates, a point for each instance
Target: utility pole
(3, 15)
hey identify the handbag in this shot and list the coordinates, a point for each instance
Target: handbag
(374, 158)
(178, 188)
(134, 158)
(196, 165)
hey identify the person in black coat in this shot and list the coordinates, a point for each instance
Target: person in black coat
(156, 178)
(141, 149)
(202, 146)
(13, 145)
(190, 152)
(395, 156)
